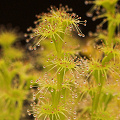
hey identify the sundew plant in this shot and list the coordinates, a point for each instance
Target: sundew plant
(71, 86)
(14, 77)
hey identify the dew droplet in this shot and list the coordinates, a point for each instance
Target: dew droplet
(85, 21)
(51, 90)
(34, 97)
(83, 35)
(29, 114)
(84, 81)
(30, 48)
(44, 66)
(31, 86)
(74, 117)
(36, 118)
(86, 2)
(34, 48)
(25, 35)
(118, 98)
(31, 81)
(31, 104)
(27, 40)
(34, 115)
(61, 96)
(38, 44)
(76, 96)
(28, 110)
(74, 112)
(78, 77)
(69, 118)
(38, 88)
(89, 14)
(106, 93)
(73, 102)
(80, 34)
(40, 96)
(99, 84)
(72, 96)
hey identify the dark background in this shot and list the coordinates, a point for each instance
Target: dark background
(21, 13)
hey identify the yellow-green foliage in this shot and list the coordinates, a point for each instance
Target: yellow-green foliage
(7, 39)
(77, 84)
(14, 78)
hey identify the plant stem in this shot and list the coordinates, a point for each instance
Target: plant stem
(111, 31)
(58, 45)
(96, 101)
(59, 88)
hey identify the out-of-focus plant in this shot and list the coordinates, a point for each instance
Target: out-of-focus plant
(14, 77)
(105, 68)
